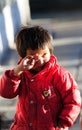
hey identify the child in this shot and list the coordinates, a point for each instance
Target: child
(48, 96)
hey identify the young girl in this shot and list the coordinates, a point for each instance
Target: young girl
(48, 96)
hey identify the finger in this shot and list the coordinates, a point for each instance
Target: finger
(29, 57)
(32, 62)
(25, 63)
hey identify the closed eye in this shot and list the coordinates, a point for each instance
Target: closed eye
(44, 54)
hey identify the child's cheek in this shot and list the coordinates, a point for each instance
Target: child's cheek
(46, 59)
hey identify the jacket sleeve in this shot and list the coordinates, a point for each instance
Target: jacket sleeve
(9, 85)
(71, 99)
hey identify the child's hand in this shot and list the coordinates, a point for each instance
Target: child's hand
(57, 128)
(60, 127)
(26, 64)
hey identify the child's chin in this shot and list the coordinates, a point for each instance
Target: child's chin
(37, 68)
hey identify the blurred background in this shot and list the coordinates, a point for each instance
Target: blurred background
(62, 18)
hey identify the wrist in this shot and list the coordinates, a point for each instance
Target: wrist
(17, 71)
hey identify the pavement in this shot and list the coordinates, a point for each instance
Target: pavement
(66, 29)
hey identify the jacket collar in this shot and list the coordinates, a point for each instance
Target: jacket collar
(50, 64)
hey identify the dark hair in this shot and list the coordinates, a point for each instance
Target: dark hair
(34, 37)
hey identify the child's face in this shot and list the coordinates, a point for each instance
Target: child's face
(41, 56)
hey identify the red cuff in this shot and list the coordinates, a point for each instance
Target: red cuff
(10, 73)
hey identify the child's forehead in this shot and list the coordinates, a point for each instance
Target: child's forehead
(37, 51)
